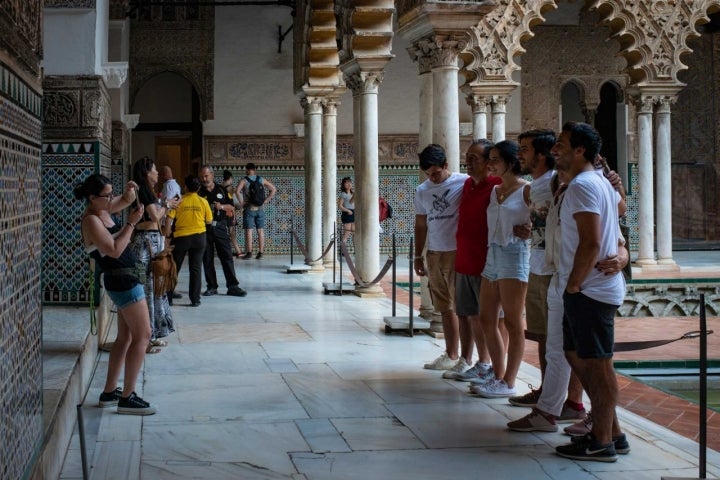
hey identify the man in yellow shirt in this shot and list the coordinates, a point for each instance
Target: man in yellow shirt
(191, 218)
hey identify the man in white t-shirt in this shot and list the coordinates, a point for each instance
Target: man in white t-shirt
(437, 201)
(589, 232)
(549, 400)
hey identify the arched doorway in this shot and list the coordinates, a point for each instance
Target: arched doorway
(170, 130)
(572, 101)
(607, 122)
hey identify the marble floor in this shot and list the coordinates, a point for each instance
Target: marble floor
(289, 383)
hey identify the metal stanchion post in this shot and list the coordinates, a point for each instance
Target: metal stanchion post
(394, 275)
(412, 288)
(703, 389)
(292, 247)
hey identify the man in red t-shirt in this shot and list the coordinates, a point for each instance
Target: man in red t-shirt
(472, 245)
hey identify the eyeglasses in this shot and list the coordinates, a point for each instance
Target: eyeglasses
(109, 196)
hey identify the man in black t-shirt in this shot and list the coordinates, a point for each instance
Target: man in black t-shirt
(218, 238)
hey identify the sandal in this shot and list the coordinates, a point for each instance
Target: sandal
(159, 343)
(151, 350)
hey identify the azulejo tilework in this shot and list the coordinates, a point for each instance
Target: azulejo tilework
(65, 266)
(287, 209)
(20, 254)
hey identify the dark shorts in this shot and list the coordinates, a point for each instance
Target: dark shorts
(347, 217)
(467, 294)
(588, 326)
(253, 218)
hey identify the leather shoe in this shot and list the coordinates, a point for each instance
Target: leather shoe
(210, 292)
(195, 304)
(236, 292)
(176, 295)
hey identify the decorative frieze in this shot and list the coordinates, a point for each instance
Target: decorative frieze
(21, 38)
(76, 107)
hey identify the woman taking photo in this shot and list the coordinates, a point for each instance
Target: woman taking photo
(147, 242)
(346, 204)
(108, 243)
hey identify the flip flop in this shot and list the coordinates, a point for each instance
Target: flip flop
(153, 350)
(159, 343)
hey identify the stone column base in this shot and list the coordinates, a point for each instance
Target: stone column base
(374, 291)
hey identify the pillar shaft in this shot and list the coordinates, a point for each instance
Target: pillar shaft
(364, 86)
(329, 162)
(478, 104)
(446, 116)
(498, 118)
(313, 172)
(646, 211)
(664, 184)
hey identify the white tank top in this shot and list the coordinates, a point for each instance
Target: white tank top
(502, 217)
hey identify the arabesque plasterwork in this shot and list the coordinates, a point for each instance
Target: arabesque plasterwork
(185, 47)
(21, 37)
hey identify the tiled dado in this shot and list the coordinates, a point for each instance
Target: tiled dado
(65, 263)
(20, 253)
(286, 210)
(281, 160)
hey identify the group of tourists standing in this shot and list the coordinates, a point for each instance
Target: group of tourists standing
(194, 224)
(494, 245)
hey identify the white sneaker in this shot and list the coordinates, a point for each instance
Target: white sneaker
(458, 369)
(443, 362)
(494, 389)
(484, 378)
(477, 370)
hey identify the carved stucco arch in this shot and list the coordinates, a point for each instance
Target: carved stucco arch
(654, 35)
(497, 38)
(139, 83)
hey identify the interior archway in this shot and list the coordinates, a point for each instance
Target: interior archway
(170, 130)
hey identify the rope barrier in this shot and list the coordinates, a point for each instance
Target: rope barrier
(355, 274)
(304, 251)
(637, 345)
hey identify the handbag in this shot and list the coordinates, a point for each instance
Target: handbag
(163, 270)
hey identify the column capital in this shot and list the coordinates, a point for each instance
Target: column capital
(311, 105)
(499, 103)
(443, 50)
(131, 120)
(114, 74)
(478, 103)
(361, 82)
(329, 105)
(420, 53)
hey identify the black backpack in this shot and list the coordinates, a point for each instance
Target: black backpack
(256, 191)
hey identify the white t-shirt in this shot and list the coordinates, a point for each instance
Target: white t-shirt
(590, 192)
(440, 203)
(541, 199)
(171, 189)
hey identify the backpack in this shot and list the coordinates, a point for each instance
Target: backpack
(385, 209)
(256, 191)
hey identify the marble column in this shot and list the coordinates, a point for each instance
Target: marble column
(663, 170)
(446, 113)
(478, 104)
(425, 137)
(330, 187)
(646, 212)
(364, 86)
(499, 103)
(313, 172)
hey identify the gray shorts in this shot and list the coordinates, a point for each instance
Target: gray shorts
(467, 294)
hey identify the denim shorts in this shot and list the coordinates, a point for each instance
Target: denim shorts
(253, 218)
(509, 262)
(124, 298)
